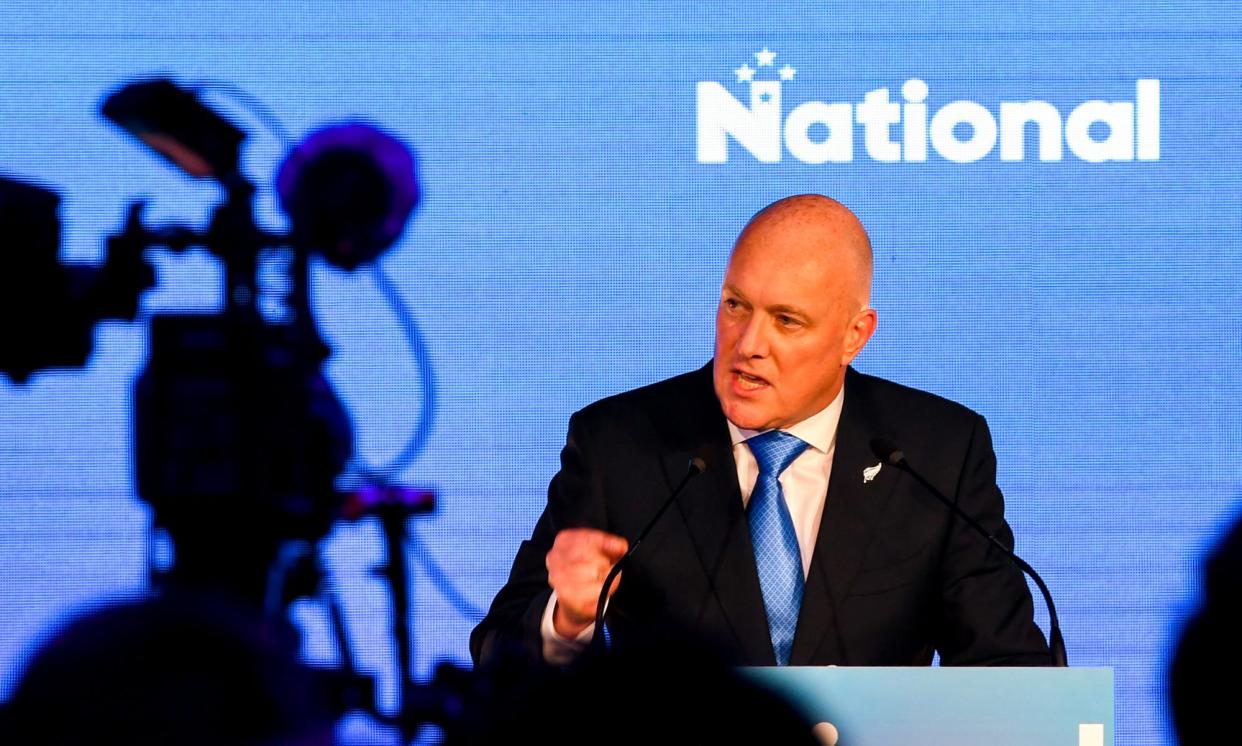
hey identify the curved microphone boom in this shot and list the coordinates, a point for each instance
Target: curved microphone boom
(889, 453)
(698, 464)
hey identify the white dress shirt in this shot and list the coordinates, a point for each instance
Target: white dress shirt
(804, 484)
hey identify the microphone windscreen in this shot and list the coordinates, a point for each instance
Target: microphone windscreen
(887, 451)
(700, 460)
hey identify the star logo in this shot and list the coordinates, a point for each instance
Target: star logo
(764, 70)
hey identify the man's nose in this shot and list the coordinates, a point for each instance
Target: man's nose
(754, 339)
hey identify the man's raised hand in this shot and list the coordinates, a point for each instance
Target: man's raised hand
(579, 561)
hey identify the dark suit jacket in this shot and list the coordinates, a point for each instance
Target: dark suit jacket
(894, 575)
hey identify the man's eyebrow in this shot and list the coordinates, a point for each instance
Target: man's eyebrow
(778, 308)
(782, 308)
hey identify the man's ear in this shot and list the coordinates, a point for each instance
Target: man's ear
(861, 327)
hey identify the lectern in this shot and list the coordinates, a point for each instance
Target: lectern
(951, 706)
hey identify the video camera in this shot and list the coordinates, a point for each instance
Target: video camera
(240, 442)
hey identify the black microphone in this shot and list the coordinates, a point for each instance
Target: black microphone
(699, 463)
(891, 454)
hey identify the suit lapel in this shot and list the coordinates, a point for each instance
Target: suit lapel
(851, 514)
(711, 507)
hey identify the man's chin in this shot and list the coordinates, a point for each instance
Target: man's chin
(746, 416)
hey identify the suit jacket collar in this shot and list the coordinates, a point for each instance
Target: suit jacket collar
(711, 507)
(851, 514)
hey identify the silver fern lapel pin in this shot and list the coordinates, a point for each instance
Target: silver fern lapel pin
(870, 472)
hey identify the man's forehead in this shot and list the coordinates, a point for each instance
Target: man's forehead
(773, 277)
(807, 240)
(793, 245)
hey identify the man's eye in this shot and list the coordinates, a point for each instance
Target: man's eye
(731, 304)
(788, 321)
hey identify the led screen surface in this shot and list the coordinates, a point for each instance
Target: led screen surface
(1051, 191)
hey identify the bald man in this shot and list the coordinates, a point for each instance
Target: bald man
(825, 558)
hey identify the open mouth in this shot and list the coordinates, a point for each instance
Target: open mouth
(748, 382)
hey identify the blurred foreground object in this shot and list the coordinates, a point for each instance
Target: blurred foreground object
(349, 191)
(1207, 654)
(48, 311)
(179, 669)
(240, 442)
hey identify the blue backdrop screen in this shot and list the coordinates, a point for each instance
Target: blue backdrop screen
(1053, 197)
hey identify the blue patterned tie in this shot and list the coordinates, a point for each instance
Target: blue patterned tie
(777, 555)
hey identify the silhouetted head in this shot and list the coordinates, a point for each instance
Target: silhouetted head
(173, 670)
(1202, 703)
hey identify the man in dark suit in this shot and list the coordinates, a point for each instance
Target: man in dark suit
(796, 546)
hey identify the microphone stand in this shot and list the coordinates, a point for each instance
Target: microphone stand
(698, 464)
(889, 453)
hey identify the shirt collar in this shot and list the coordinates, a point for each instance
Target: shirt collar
(819, 430)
